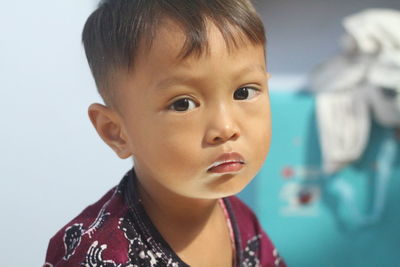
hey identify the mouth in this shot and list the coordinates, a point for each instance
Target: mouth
(227, 163)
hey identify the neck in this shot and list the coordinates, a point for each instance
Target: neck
(188, 224)
(182, 221)
(173, 208)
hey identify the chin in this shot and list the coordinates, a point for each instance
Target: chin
(227, 185)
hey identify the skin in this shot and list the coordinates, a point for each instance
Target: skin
(172, 150)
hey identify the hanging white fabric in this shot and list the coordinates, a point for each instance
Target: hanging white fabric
(364, 76)
(361, 82)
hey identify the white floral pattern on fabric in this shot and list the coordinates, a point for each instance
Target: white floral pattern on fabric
(250, 258)
(74, 233)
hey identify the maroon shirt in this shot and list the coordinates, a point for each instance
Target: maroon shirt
(116, 232)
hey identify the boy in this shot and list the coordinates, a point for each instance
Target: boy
(185, 91)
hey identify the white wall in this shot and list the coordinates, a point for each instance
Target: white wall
(52, 163)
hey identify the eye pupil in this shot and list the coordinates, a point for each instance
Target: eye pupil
(241, 93)
(181, 104)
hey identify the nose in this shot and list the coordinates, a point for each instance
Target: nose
(222, 127)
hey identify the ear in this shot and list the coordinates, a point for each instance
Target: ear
(110, 128)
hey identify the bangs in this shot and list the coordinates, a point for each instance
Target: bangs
(235, 23)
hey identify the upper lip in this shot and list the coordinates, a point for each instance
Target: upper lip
(232, 157)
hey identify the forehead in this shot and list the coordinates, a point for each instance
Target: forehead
(168, 46)
(178, 42)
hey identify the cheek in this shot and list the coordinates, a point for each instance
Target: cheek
(258, 129)
(172, 143)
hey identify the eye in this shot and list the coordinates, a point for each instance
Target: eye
(183, 104)
(244, 93)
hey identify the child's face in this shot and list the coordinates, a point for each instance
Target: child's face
(179, 116)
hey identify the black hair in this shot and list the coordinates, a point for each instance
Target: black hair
(114, 31)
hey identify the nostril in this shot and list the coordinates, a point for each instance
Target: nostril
(235, 136)
(217, 135)
(217, 139)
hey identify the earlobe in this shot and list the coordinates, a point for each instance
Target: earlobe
(109, 127)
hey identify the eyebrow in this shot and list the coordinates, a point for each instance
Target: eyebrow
(174, 80)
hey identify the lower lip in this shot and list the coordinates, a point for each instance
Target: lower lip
(227, 167)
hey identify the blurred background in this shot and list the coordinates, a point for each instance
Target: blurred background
(53, 164)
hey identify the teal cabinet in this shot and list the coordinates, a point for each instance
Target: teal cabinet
(319, 220)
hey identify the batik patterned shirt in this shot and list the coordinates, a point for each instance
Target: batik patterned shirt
(117, 232)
